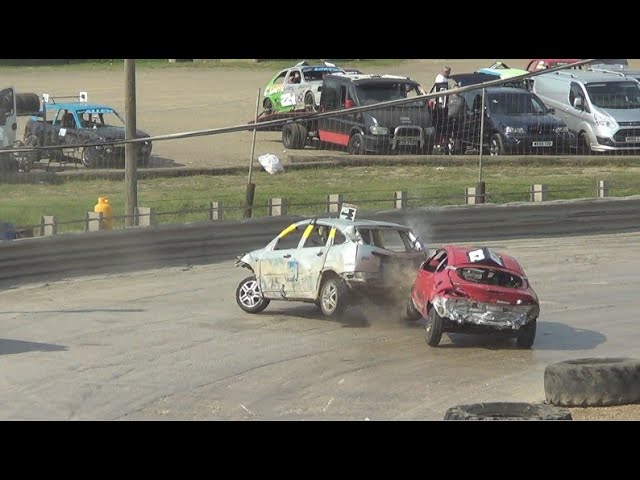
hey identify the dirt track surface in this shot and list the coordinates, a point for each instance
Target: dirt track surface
(172, 100)
(172, 344)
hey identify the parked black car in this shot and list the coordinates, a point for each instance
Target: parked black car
(515, 121)
(77, 123)
(387, 129)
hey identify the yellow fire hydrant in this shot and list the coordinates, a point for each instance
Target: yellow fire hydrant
(107, 212)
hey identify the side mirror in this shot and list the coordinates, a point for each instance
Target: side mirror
(3, 117)
(577, 103)
(552, 111)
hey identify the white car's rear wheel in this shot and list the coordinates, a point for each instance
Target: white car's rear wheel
(333, 297)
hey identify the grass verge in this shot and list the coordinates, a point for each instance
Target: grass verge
(187, 199)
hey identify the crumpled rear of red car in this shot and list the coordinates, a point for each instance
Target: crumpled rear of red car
(474, 290)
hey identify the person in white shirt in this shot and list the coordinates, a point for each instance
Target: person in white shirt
(442, 83)
(443, 77)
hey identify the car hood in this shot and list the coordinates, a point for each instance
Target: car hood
(115, 133)
(622, 114)
(392, 117)
(547, 120)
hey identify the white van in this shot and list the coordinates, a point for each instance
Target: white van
(601, 108)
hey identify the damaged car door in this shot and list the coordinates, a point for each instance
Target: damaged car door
(277, 268)
(309, 260)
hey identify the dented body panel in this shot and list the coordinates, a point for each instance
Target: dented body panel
(475, 290)
(293, 265)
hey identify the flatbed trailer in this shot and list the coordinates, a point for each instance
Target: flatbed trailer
(265, 116)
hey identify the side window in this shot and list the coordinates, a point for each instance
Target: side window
(6, 102)
(290, 238)
(393, 240)
(330, 91)
(468, 101)
(338, 238)
(57, 118)
(316, 236)
(343, 95)
(371, 237)
(443, 263)
(280, 78)
(365, 233)
(434, 260)
(577, 92)
(67, 120)
(477, 103)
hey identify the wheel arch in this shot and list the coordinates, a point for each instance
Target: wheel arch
(324, 276)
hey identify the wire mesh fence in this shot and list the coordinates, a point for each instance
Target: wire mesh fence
(431, 140)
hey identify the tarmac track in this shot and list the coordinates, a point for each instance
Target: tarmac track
(172, 344)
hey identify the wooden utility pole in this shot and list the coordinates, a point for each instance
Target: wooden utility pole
(130, 149)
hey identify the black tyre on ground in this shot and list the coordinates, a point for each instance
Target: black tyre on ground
(584, 145)
(249, 297)
(267, 105)
(527, 334)
(31, 142)
(507, 411)
(144, 161)
(356, 144)
(18, 161)
(433, 328)
(334, 296)
(89, 157)
(309, 102)
(593, 382)
(294, 136)
(496, 146)
(412, 314)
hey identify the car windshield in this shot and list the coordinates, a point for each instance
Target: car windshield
(102, 117)
(490, 276)
(372, 93)
(617, 95)
(515, 104)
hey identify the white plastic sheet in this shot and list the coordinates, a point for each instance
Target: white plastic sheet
(271, 163)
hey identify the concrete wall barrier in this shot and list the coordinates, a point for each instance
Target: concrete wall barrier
(106, 251)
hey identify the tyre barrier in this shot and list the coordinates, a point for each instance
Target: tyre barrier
(507, 411)
(593, 382)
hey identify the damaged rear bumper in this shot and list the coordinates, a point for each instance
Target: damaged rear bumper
(486, 315)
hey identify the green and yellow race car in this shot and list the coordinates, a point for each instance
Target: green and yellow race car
(296, 88)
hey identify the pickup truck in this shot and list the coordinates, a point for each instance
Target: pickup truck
(71, 124)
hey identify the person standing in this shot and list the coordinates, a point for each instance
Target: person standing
(443, 76)
(442, 83)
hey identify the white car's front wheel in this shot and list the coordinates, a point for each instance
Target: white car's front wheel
(249, 297)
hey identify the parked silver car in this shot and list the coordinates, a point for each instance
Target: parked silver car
(332, 262)
(601, 108)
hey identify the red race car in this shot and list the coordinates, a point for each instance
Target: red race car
(474, 290)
